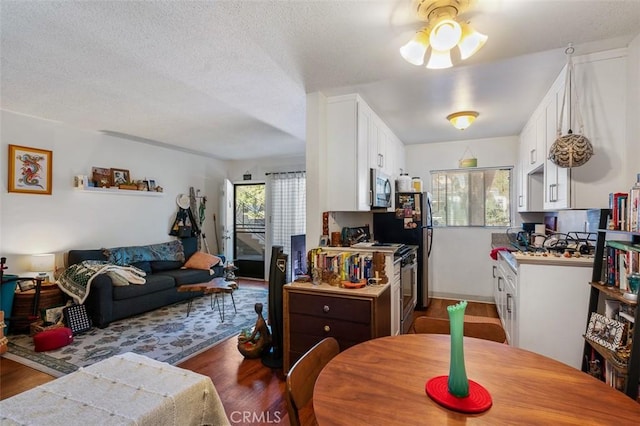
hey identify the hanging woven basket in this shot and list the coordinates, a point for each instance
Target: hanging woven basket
(570, 150)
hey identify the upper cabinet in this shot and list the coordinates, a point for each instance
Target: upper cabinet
(598, 91)
(357, 141)
(557, 188)
(532, 151)
(348, 134)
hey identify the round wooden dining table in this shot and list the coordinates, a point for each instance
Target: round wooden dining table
(382, 382)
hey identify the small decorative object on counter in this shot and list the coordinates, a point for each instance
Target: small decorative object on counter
(456, 392)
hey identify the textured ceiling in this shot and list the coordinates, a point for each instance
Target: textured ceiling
(229, 78)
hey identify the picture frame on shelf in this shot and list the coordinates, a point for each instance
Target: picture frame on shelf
(26, 285)
(152, 184)
(605, 331)
(101, 177)
(119, 177)
(30, 170)
(324, 241)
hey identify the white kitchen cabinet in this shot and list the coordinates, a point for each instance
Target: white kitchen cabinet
(396, 303)
(532, 149)
(505, 282)
(522, 194)
(511, 328)
(357, 140)
(542, 307)
(348, 135)
(557, 188)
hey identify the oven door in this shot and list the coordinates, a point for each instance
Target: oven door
(408, 290)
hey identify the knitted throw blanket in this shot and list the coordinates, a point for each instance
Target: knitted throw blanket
(76, 279)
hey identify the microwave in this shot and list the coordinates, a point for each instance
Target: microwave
(380, 190)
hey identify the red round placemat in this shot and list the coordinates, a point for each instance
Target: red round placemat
(477, 401)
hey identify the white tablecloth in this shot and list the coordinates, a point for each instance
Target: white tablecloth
(126, 389)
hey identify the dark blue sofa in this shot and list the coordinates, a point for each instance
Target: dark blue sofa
(107, 303)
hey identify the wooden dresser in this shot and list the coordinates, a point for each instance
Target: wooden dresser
(312, 313)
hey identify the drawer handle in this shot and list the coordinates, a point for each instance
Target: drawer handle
(327, 329)
(325, 308)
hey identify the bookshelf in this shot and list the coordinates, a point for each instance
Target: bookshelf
(603, 287)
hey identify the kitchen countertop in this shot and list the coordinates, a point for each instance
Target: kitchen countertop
(550, 259)
(367, 291)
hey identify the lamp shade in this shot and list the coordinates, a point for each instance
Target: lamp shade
(463, 119)
(43, 262)
(413, 52)
(470, 42)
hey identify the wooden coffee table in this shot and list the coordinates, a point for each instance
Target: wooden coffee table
(213, 288)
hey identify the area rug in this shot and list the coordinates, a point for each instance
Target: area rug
(165, 334)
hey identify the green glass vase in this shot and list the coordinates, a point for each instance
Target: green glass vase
(458, 382)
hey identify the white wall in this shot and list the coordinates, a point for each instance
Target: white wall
(71, 219)
(460, 256)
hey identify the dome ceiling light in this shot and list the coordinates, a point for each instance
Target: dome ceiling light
(463, 119)
(442, 34)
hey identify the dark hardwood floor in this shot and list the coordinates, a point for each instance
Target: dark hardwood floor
(250, 392)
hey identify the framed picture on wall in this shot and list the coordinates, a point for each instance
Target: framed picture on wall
(30, 170)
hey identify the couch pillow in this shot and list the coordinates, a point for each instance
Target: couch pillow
(165, 265)
(122, 256)
(201, 260)
(117, 280)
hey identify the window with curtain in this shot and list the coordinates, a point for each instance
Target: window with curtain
(287, 210)
(474, 197)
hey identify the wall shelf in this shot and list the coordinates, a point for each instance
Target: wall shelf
(120, 191)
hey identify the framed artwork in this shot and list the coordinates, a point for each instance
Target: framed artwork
(119, 177)
(101, 177)
(152, 184)
(26, 285)
(324, 241)
(605, 331)
(30, 170)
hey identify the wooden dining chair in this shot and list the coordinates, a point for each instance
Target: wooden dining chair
(479, 330)
(302, 376)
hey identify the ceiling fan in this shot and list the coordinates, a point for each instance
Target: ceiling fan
(443, 32)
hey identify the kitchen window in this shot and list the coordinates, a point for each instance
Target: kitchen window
(475, 197)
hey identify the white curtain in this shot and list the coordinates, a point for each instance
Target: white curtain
(286, 201)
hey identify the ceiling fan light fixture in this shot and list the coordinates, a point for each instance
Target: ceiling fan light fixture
(414, 51)
(439, 60)
(470, 42)
(442, 34)
(463, 119)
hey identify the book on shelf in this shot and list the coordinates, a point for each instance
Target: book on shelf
(623, 258)
(634, 210)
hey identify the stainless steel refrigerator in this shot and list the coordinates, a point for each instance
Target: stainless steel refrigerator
(412, 224)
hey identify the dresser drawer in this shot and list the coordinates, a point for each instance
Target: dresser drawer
(347, 309)
(327, 327)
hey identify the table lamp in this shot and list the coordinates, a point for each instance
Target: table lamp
(43, 264)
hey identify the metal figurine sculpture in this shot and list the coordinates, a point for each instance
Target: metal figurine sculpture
(252, 345)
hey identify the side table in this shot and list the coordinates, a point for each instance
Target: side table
(213, 288)
(23, 305)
